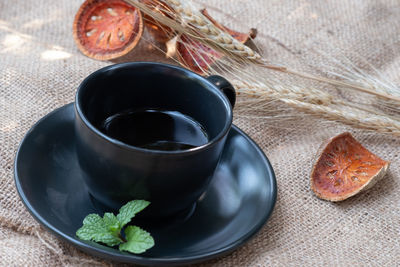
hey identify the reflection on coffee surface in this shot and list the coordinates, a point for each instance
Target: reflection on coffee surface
(155, 129)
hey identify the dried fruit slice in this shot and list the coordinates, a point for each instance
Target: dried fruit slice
(107, 29)
(345, 168)
(194, 55)
(198, 57)
(160, 33)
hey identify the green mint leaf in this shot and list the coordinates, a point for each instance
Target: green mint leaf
(130, 209)
(112, 222)
(138, 240)
(97, 229)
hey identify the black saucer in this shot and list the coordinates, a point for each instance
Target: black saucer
(237, 204)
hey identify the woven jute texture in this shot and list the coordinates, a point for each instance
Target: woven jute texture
(41, 68)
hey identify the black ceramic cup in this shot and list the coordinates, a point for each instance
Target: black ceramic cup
(115, 172)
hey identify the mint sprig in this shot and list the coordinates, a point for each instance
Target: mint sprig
(108, 230)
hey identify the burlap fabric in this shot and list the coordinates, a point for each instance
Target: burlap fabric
(41, 68)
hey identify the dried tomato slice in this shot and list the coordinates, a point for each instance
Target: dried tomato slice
(197, 56)
(345, 168)
(107, 29)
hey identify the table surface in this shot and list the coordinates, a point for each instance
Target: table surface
(41, 68)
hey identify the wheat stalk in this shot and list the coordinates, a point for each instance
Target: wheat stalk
(277, 91)
(199, 27)
(376, 123)
(322, 105)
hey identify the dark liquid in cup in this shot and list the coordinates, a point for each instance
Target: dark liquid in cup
(155, 129)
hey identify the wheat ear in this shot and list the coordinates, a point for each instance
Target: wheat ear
(321, 106)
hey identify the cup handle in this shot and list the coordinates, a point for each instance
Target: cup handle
(225, 87)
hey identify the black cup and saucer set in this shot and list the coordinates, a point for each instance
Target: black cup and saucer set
(206, 200)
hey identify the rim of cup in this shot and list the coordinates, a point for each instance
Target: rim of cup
(123, 145)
